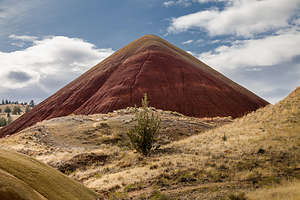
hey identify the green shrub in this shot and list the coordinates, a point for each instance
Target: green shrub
(224, 137)
(117, 196)
(9, 119)
(142, 135)
(3, 122)
(156, 195)
(7, 110)
(27, 109)
(238, 196)
(133, 187)
(16, 110)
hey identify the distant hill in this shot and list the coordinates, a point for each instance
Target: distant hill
(173, 79)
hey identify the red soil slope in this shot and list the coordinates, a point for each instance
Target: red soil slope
(173, 79)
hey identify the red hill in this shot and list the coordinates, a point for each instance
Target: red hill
(173, 79)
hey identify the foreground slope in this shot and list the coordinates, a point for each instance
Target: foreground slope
(258, 150)
(173, 79)
(24, 178)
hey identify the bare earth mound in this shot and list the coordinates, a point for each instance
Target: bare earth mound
(173, 79)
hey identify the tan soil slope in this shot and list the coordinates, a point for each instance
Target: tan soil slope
(173, 79)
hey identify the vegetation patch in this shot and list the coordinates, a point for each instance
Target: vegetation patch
(237, 196)
(156, 195)
(81, 161)
(142, 135)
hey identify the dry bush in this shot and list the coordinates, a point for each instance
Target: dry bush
(143, 133)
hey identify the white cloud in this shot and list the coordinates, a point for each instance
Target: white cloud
(267, 51)
(48, 63)
(184, 3)
(21, 40)
(187, 3)
(13, 12)
(296, 21)
(268, 66)
(18, 44)
(215, 41)
(12, 8)
(240, 17)
(187, 42)
(26, 38)
(168, 3)
(207, 1)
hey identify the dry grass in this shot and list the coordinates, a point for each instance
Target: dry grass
(287, 191)
(261, 148)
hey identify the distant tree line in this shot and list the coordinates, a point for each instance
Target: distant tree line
(6, 102)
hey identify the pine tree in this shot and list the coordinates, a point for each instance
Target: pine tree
(7, 110)
(16, 110)
(31, 104)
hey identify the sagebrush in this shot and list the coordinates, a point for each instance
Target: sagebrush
(142, 135)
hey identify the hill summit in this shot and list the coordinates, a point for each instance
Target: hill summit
(173, 79)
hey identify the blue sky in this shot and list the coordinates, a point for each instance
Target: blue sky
(45, 44)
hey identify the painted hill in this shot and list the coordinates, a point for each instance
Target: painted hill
(24, 178)
(173, 79)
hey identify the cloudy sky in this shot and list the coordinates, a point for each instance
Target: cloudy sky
(44, 44)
